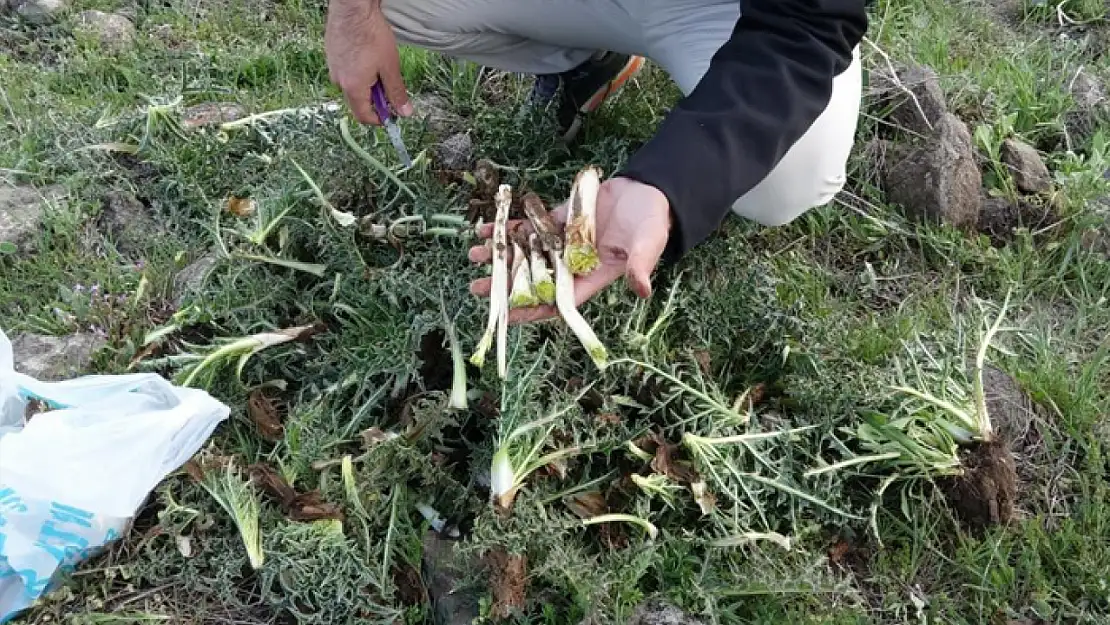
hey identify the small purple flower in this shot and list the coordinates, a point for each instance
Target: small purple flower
(78, 288)
(95, 289)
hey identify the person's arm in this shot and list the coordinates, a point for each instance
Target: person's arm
(763, 90)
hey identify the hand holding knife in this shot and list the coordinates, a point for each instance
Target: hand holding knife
(381, 107)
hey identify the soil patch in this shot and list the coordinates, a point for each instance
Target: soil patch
(986, 494)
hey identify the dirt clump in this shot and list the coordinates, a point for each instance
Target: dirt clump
(211, 114)
(22, 209)
(1026, 166)
(112, 30)
(913, 99)
(453, 600)
(455, 153)
(126, 222)
(659, 612)
(508, 583)
(939, 181)
(1000, 218)
(986, 494)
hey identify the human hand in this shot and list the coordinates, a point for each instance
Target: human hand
(633, 225)
(362, 50)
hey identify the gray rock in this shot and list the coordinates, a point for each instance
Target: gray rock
(924, 84)
(125, 222)
(114, 31)
(939, 181)
(211, 114)
(1026, 166)
(21, 212)
(658, 612)
(454, 602)
(436, 111)
(1088, 92)
(456, 152)
(55, 357)
(191, 278)
(38, 12)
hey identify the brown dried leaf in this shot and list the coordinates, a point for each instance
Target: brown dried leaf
(665, 463)
(375, 436)
(264, 414)
(311, 506)
(838, 551)
(587, 505)
(193, 468)
(705, 363)
(509, 581)
(240, 206)
(271, 482)
(608, 418)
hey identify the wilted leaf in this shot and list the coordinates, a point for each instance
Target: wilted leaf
(311, 506)
(265, 477)
(193, 468)
(608, 418)
(838, 551)
(587, 504)
(665, 463)
(240, 206)
(375, 436)
(264, 415)
(705, 499)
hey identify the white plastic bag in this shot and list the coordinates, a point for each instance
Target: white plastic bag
(71, 479)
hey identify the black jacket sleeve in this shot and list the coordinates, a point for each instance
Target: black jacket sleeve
(764, 88)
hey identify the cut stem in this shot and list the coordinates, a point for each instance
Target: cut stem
(581, 229)
(564, 301)
(523, 294)
(543, 284)
(499, 287)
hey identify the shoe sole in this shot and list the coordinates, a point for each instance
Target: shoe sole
(627, 73)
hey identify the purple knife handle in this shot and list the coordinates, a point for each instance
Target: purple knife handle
(381, 106)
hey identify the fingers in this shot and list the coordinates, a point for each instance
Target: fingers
(641, 262)
(395, 90)
(480, 254)
(358, 100)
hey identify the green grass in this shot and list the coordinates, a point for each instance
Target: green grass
(817, 315)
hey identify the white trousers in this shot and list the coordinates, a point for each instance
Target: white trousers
(681, 36)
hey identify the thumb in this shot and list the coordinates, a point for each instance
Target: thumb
(642, 259)
(395, 89)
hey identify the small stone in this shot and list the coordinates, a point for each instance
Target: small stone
(1026, 166)
(658, 612)
(435, 111)
(923, 82)
(939, 181)
(114, 31)
(192, 277)
(54, 358)
(453, 601)
(21, 211)
(126, 223)
(211, 113)
(456, 153)
(38, 12)
(1088, 91)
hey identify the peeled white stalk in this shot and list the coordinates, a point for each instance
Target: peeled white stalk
(564, 301)
(581, 229)
(543, 284)
(499, 288)
(522, 294)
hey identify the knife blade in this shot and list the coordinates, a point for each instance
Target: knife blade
(381, 107)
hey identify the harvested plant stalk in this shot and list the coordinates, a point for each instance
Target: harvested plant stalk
(564, 301)
(543, 283)
(523, 293)
(581, 248)
(498, 301)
